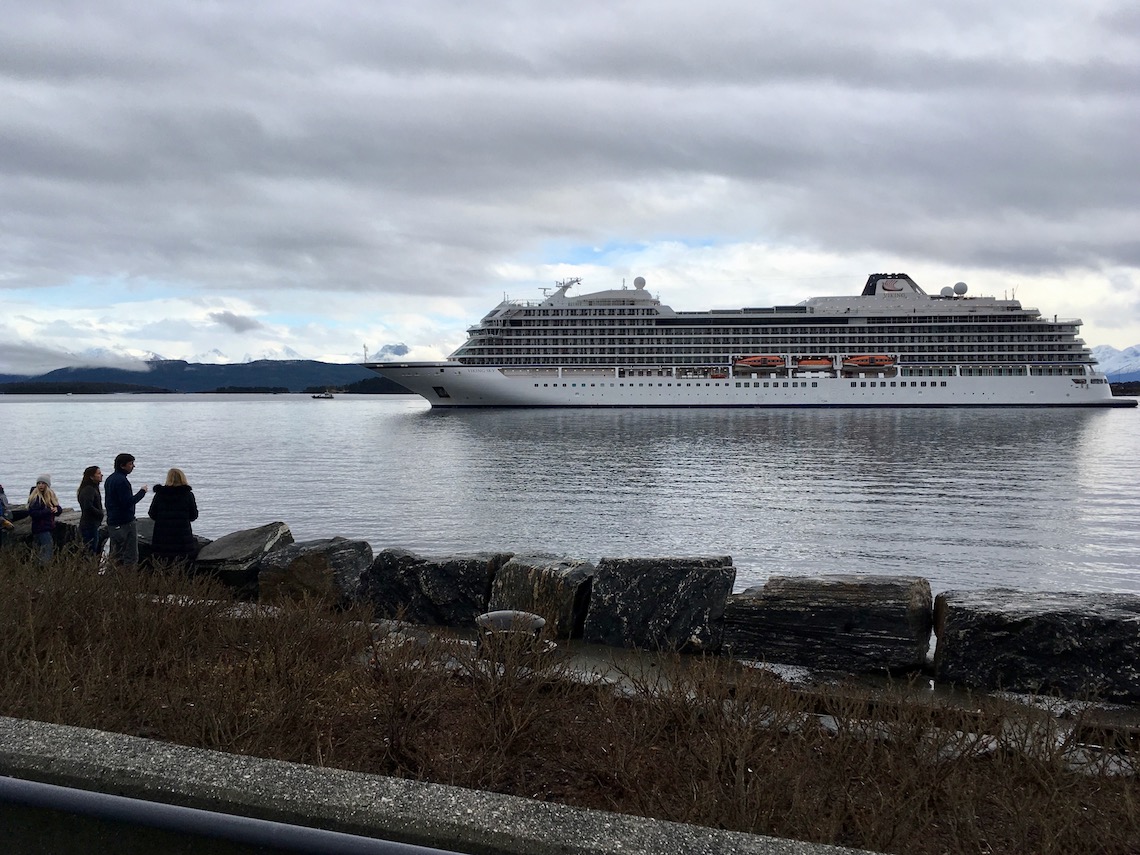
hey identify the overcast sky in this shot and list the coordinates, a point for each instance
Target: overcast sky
(184, 177)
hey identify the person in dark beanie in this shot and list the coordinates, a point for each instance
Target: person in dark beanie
(122, 528)
(173, 508)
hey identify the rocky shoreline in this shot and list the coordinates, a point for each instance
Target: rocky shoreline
(1082, 646)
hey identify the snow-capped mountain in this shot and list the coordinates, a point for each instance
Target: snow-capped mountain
(211, 357)
(387, 351)
(1121, 366)
(282, 353)
(116, 357)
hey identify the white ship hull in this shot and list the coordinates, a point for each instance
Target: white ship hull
(891, 346)
(450, 384)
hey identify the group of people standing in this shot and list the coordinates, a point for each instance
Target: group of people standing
(173, 508)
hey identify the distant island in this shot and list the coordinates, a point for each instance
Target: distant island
(264, 376)
(175, 375)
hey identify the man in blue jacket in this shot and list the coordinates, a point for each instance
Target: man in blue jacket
(120, 501)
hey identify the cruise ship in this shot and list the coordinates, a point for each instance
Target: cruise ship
(893, 345)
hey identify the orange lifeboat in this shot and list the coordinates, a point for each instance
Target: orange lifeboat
(763, 362)
(868, 360)
(815, 362)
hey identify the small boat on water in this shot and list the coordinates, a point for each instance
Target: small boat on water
(321, 396)
(868, 360)
(763, 361)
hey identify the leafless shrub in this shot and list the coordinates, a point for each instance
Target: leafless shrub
(688, 739)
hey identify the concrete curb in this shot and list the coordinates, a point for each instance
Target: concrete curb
(370, 805)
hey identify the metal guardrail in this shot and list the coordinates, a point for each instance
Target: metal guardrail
(194, 822)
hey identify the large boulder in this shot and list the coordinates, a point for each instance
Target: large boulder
(1077, 645)
(66, 527)
(659, 603)
(329, 570)
(235, 558)
(556, 588)
(445, 591)
(836, 622)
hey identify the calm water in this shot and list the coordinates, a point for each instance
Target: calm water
(1034, 499)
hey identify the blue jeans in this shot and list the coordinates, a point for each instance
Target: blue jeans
(45, 544)
(90, 538)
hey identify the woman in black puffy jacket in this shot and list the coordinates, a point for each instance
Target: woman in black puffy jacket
(173, 509)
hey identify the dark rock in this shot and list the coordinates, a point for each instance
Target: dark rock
(236, 557)
(447, 591)
(67, 528)
(837, 622)
(556, 588)
(659, 603)
(329, 570)
(1078, 645)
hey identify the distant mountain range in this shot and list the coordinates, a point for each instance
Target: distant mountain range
(1121, 366)
(177, 375)
(297, 375)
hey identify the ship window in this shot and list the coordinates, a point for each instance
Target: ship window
(545, 385)
(853, 384)
(863, 383)
(814, 384)
(892, 384)
(785, 385)
(923, 382)
(943, 383)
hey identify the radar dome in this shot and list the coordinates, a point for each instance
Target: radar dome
(639, 282)
(947, 291)
(960, 288)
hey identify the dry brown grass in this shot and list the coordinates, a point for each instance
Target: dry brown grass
(703, 741)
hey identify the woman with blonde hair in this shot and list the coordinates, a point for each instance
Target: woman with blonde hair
(43, 508)
(173, 508)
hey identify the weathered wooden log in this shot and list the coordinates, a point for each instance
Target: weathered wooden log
(556, 588)
(659, 603)
(446, 591)
(327, 570)
(848, 623)
(1077, 645)
(235, 558)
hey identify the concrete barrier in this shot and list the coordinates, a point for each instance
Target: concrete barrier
(434, 815)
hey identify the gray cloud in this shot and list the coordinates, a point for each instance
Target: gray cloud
(412, 149)
(237, 323)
